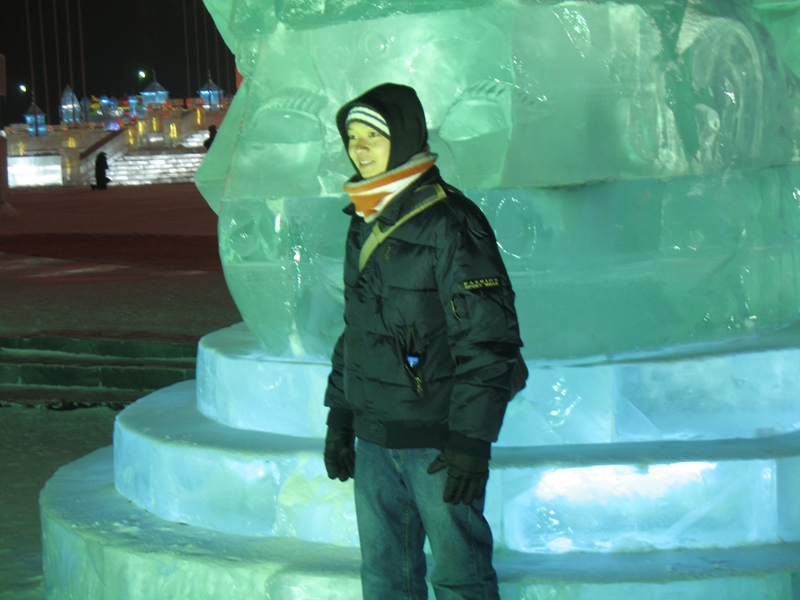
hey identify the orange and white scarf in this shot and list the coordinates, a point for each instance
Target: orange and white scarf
(370, 196)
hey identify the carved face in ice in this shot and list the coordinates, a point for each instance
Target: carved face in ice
(565, 121)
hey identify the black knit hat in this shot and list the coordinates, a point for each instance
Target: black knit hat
(403, 113)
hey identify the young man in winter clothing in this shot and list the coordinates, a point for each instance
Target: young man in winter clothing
(426, 364)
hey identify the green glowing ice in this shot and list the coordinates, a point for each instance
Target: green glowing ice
(637, 159)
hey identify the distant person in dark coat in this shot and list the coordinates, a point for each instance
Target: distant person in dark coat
(212, 133)
(100, 168)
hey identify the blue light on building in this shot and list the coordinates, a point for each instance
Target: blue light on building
(154, 94)
(35, 118)
(70, 109)
(211, 94)
(134, 110)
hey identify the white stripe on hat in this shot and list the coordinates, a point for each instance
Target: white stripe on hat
(370, 117)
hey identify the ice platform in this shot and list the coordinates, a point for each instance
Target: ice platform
(100, 545)
(182, 466)
(192, 506)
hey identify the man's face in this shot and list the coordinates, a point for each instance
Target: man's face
(368, 149)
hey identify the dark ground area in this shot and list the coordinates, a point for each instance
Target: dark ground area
(135, 250)
(127, 263)
(131, 261)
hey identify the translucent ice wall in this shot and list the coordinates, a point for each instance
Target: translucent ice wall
(635, 158)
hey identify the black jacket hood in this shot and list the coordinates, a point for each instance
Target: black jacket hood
(403, 112)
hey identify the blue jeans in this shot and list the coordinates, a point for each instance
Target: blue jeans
(397, 505)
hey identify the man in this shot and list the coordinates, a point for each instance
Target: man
(427, 361)
(100, 169)
(212, 133)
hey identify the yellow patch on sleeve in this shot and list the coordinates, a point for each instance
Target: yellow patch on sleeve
(480, 284)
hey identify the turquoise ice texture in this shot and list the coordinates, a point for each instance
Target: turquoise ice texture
(638, 161)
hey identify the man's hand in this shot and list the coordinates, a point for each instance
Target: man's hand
(340, 453)
(466, 476)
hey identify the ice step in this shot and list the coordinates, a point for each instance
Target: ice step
(750, 393)
(71, 372)
(195, 140)
(102, 347)
(66, 398)
(118, 550)
(183, 466)
(156, 167)
(240, 385)
(98, 545)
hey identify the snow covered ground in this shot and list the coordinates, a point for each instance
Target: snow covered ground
(127, 263)
(33, 444)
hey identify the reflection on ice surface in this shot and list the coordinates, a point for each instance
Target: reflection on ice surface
(620, 508)
(605, 482)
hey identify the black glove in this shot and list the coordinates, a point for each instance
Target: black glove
(340, 453)
(466, 476)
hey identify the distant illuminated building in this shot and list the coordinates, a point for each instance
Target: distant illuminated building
(107, 112)
(134, 110)
(107, 105)
(35, 118)
(70, 109)
(86, 108)
(211, 94)
(154, 94)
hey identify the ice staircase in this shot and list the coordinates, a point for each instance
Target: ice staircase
(663, 485)
(65, 373)
(156, 165)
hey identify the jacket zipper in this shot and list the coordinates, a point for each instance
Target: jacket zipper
(455, 310)
(412, 361)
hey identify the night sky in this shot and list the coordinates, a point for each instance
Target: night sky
(119, 40)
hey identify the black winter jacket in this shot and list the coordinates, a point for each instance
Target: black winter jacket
(431, 334)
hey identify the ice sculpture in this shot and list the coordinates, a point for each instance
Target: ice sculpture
(632, 157)
(637, 160)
